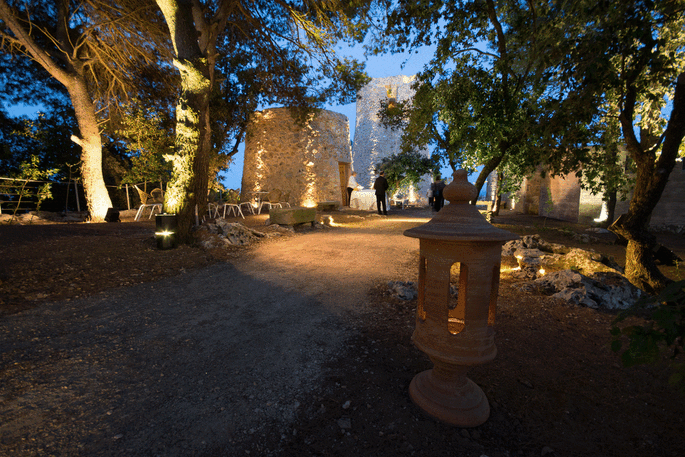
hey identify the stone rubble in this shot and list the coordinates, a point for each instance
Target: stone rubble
(230, 233)
(403, 290)
(533, 253)
(600, 290)
(579, 276)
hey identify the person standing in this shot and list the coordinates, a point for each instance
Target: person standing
(437, 187)
(380, 186)
(351, 185)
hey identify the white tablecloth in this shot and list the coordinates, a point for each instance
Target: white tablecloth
(366, 199)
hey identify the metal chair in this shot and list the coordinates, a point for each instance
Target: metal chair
(273, 200)
(231, 204)
(285, 200)
(154, 200)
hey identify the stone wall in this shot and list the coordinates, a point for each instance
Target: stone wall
(302, 161)
(556, 197)
(570, 203)
(669, 213)
(565, 195)
(372, 141)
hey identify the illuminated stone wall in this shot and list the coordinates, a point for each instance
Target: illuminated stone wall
(571, 203)
(301, 161)
(372, 141)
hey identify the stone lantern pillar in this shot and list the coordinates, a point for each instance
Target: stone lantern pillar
(456, 331)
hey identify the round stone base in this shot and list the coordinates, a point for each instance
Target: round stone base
(458, 402)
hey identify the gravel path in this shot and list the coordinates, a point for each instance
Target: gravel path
(194, 363)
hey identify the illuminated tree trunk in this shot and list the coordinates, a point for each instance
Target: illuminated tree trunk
(187, 191)
(97, 197)
(73, 80)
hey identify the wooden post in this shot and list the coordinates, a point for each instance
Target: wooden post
(128, 199)
(78, 203)
(66, 204)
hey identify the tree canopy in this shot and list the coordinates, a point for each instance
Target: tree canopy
(518, 85)
(91, 49)
(488, 97)
(626, 61)
(297, 36)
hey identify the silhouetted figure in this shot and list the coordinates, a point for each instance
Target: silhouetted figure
(437, 187)
(381, 185)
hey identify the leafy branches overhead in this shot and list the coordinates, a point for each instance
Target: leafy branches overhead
(488, 95)
(149, 139)
(406, 169)
(641, 67)
(103, 41)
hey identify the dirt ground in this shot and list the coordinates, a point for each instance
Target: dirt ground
(295, 347)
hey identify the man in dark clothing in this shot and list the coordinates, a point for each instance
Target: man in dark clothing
(437, 187)
(381, 185)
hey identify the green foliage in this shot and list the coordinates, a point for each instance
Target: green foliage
(663, 332)
(47, 137)
(489, 96)
(20, 187)
(405, 169)
(148, 137)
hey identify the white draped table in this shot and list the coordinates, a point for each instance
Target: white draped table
(365, 199)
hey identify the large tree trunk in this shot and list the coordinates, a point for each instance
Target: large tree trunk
(97, 197)
(72, 79)
(187, 191)
(490, 166)
(652, 176)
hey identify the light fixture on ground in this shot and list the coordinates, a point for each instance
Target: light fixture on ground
(456, 333)
(166, 228)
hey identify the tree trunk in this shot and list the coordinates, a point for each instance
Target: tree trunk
(72, 79)
(652, 176)
(490, 166)
(97, 197)
(187, 191)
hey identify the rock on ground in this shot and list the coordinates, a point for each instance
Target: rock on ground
(600, 290)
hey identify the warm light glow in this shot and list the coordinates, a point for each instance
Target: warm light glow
(260, 166)
(541, 271)
(164, 233)
(172, 200)
(332, 223)
(405, 219)
(603, 214)
(507, 269)
(309, 195)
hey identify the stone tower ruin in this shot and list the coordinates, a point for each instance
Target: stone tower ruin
(373, 141)
(308, 164)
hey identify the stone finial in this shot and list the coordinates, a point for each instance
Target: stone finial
(460, 190)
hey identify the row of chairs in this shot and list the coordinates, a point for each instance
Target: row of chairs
(231, 204)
